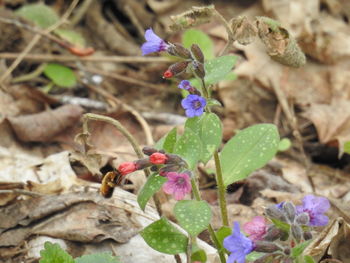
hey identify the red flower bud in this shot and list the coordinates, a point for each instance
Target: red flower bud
(168, 74)
(158, 158)
(127, 167)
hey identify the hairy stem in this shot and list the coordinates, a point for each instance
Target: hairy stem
(230, 37)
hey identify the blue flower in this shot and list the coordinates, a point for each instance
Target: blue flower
(315, 207)
(185, 84)
(194, 105)
(280, 205)
(153, 44)
(238, 244)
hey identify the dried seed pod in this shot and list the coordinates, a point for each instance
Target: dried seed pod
(266, 247)
(289, 211)
(193, 17)
(281, 46)
(179, 51)
(198, 69)
(243, 31)
(197, 53)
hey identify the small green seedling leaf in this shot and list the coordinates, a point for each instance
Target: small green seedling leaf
(218, 69)
(71, 36)
(189, 147)
(247, 151)
(298, 249)
(198, 254)
(153, 184)
(347, 147)
(194, 36)
(222, 233)
(104, 257)
(251, 257)
(194, 216)
(60, 75)
(213, 102)
(41, 15)
(162, 236)
(284, 145)
(53, 253)
(170, 141)
(208, 128)
(308, 259)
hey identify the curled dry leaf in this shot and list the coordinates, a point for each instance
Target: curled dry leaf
(42, 127)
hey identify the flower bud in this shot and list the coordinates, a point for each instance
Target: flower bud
(175, 69)
(197, 53)
(179, 51)
(127, 167)
(149, 150)
(198, 69)
(158, 158)
(307, 235)
(168, 74)
(274, 213)
(168, 168)
(297, 232)
(273, 233)
(286, 251)
(266, 247)
(303, 219)
(142, 163)
(289, 211)
(154, 168)
(174, 159)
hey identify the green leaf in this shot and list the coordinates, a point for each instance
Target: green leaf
(194, 36)
(189, 147)
(71, 36)
(299, 248)
(60, 75)
(162, 236)
(281, 225)
(53, 253)
(198, 254)
(40, 14)
(308, 259)
(194, 216)
(254, 256)
(213, 102)
(284, 145)
(347, 147)
(218, 69)
(208, 128)
(104, 257)
(153, 184)
(222, 233)
(170, 141)
(247, 151)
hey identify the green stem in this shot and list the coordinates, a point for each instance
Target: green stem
(210, 228)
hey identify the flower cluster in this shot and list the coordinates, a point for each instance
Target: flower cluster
(193, 60)
(167, 165)
(273, 239)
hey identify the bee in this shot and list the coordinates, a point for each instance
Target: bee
(109, 182)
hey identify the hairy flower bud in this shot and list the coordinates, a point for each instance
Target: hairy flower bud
(126, 168)
(303, 219)
(142, 163)
(289, 210)
(274, 213)
(273, 233)
(169, 168)
(198, 69)
(287, 251)
(297, 232)
(179, 50)
(266, 247)
(197, 53)
(158, 158)
(174, 159)
(307, 235)
(176, 69)
(149, 150)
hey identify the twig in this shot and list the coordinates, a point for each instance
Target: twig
(230, 37)
(99, 59)
(35, 40)
(20, 191)
(134, 20)
(80, 12)
(35, 73)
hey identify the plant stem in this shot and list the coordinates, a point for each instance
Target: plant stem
(210, 228)
(230, 37)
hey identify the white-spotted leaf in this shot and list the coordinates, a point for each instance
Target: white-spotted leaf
(153, 184)
(189, 147)
(170, 141)
(162, 236)
(247, 151)
(218, 68)
(194, 216)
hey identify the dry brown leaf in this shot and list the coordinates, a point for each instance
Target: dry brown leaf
(42, 127)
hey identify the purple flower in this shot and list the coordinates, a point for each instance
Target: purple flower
(238, 244)
(194, 105)
(185, 84)
(153, 44)
(178, 185)
(256, 228)
(280, 205)
(315, 207)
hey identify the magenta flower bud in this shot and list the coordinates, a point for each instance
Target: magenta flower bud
(197, 53)
(149, 150)
(256, 228)
(142, 163)
(266, 247)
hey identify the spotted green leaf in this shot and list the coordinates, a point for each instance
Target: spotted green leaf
(168, 141)
(247, 151)
(222, 233)
(194, 36)
(41, 15)
(189, 147)
(153, 184)
(60, 75)
(194, 216)
(104, 257)
(299, 248)
(218, 68)
(208, 128)
(198, 254)
(284, 145)
(162, 236)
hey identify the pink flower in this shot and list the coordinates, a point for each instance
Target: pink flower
(256, 228)
(178, 185)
